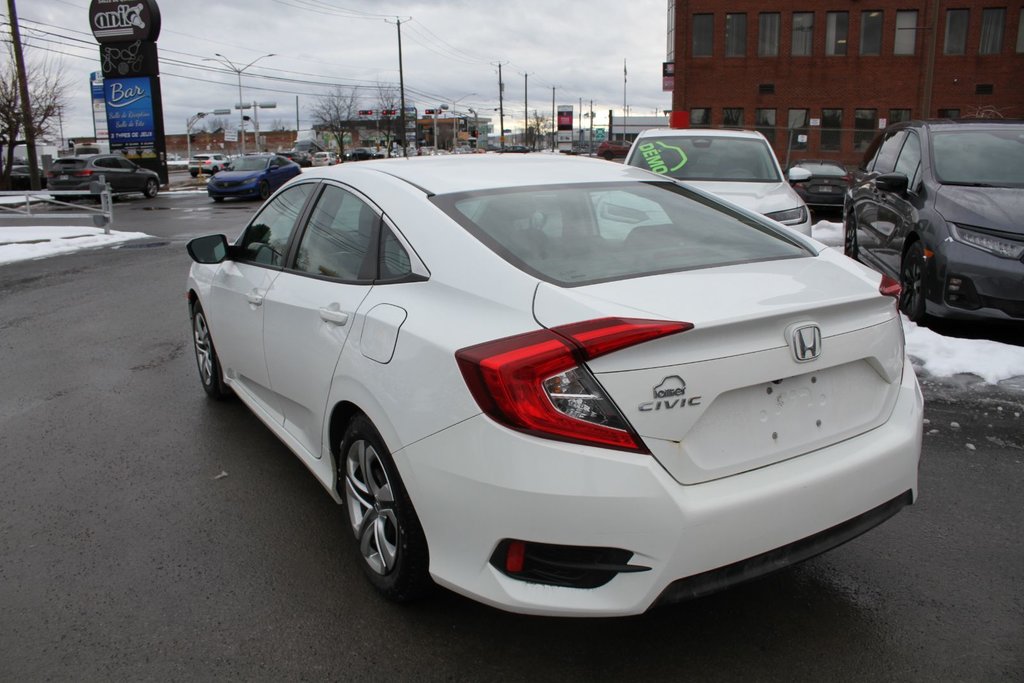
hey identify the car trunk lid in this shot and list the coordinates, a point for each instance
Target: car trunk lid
(785, 357)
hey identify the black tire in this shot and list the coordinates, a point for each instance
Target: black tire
(217, 199)
(850, 236)
(194, 174)
(609, 156)
(912, 269)
(264, 189)
(151, 189)
(391, 545)
(215, 170)
(210, 374)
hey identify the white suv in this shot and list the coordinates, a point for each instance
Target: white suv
(207, 163)
(738, 166)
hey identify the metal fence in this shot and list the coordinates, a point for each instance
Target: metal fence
(54, 205)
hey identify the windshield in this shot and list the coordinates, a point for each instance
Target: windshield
(250, 164)
(708, 157)
(987, 157)
(583, 234)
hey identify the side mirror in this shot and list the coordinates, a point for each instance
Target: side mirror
(798, 174)
(208, 249)
(892, 182)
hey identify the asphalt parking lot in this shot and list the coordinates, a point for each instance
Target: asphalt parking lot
(147, 533)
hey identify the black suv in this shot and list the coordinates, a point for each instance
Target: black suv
(939, 205)
(77, 174)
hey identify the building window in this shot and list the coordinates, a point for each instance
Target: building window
(798, 119)
(831, 129)
(837, 27)
(670, 50)
(897, 115)
(700, 117)
(1020, 32)
(803, 34)
(949, 113)
(764, 122)
(871, 33)
(865, 123)
(768, 34)
(992, 22)
(906, 33)
(735, 35)
(956, 31)
(703, 34)
(732, 117)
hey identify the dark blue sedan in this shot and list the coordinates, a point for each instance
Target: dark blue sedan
(254, 176)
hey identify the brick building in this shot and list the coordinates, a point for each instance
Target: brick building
(820, 78)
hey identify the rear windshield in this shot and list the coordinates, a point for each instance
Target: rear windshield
(988, 157)
(583, 234)
(707, 158)
(68, 163)
(823, 170)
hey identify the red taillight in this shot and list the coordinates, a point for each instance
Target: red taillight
(82, 174)
(518, 380)
(889, 287)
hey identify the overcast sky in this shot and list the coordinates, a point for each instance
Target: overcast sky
(450, 51)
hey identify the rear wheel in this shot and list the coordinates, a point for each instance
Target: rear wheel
(206, 356)
(392, 547)
(912, 301)
(609, 156)
(152, 187)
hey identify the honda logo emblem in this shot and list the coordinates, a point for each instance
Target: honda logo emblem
(806, 343)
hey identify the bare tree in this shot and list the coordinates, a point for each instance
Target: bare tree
(389, 99)
(539, 126)
(215, 124)
(279, 125)
(48, 91)
(337, 113)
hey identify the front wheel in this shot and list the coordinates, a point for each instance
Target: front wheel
(912, 300)
(392, 547)
(152, 187)
(206, 356)
(609, 156)
(264, 189)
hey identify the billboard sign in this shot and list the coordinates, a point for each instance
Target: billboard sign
(565, 117)
(99, 107)
(668, 76)
(120, 21)
(130, 119)
(129, 59)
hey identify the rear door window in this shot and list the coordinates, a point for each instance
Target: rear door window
(339, 237)
(885, 159)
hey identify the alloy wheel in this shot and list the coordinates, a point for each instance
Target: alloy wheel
(371, 507)
(204, 348)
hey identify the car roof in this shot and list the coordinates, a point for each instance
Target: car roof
(476, 172)
(702, 133)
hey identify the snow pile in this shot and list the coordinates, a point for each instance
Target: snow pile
(947, 356)
(828, 233)
(41, 241)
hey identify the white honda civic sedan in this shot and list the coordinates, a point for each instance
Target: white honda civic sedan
(561, 386)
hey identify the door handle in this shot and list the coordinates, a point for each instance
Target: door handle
(333, 316)
(255, 297)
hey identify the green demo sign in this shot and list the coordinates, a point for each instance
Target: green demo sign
(662, 158)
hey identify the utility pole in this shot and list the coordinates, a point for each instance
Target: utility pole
(590, 142)
(297, 117)
(26, 105)
(526, 109)
(625, 111)
(554, 126)
(401, 86)
(501, 108)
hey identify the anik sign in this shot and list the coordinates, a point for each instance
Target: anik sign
(129, 111)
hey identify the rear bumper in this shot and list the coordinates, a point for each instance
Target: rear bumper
(477, 484)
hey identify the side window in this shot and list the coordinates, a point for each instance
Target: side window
(338, 238)
(265, 241)
(394, 259)
(125, 164)
(885, 160)
(909, 163)
(107, 162)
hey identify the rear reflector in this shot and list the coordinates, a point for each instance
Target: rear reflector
(538, 383)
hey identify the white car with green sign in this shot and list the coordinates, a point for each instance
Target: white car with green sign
(736, 165)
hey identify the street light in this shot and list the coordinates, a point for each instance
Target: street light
(193, 120)
(238, 71)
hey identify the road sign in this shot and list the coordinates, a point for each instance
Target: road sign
(230, 135)
(600, 134)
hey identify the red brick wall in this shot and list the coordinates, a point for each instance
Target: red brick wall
(846, 82)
